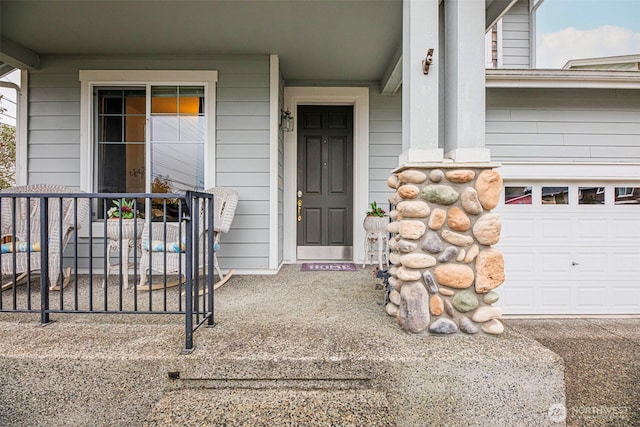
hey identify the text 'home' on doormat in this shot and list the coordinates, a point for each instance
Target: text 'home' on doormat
(328, 266)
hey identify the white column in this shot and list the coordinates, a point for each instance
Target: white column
(464, 130)
(419, 90)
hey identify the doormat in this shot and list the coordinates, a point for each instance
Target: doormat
(328, 266)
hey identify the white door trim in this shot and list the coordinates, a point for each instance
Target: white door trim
(359, 98)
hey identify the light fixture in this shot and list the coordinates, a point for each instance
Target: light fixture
(286, 121)
(426, 63)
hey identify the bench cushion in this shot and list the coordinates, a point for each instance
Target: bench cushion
(9, 247)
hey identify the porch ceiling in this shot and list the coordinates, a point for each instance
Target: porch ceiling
(338, 40)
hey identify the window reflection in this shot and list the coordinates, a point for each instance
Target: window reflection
(175, 143)
(591, 195)
(555, 195)
(177, 137)
(180, 165)
(627, 196)
(517, 195)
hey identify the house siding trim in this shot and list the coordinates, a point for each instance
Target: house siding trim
(583, 79)
(533, 8)
(359, 98)
(22, 130)
(274, 130)
(565, 171)
(500, 42)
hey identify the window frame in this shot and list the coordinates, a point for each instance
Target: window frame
(626, 193)
(89, 79)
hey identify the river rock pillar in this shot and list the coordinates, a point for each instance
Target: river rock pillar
(445, 268)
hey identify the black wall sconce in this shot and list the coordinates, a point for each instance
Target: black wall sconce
(286, 121)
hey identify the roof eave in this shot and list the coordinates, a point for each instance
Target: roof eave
(620, 59)
(585, 79)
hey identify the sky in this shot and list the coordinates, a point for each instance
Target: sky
(575, 29)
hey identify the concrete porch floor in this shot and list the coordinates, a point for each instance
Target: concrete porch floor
(313, 348)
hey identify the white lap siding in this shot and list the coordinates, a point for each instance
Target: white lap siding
(559, 125)
(242, 138)
(516, 37)
(385, 138)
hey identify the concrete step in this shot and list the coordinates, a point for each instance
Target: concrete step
(272, 403)
(115, 374)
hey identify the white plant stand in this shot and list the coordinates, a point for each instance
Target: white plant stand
(131, 233)
(376, 245)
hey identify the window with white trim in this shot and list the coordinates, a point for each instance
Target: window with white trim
(627, 196)
(174, 142)
(148, 131)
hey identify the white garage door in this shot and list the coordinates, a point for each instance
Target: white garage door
(571, 248)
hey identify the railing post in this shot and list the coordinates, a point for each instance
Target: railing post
(210, 263)
(188, 346)
(196, 215)
(44, 261)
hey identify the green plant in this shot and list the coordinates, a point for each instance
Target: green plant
(7, 153)
(122, 209)
(375, 210)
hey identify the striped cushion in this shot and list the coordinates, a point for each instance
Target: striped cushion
(175, 247)
(158, 246)
(8, 248)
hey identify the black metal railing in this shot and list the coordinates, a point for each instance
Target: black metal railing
(161, 246)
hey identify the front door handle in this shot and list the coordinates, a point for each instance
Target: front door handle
(299, 210)
(575, 263)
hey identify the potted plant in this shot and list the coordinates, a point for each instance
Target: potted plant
(122, 209)
(122, 220)
(376, 220)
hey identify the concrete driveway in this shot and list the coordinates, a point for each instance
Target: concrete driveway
(602, 366)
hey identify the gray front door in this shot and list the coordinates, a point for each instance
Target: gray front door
(325, 182)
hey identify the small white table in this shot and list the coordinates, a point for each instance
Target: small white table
(376, 245)
(376, 241)
(122, 243)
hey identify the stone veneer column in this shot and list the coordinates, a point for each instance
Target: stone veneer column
(444, 266)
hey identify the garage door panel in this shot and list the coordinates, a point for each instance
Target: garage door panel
(626, 297)
(590, 297)
(517, 299)
(589, 262)
(557, 296)
(627, 263)
(515, 229)
(627, 229)
(519, 263)
(554, 229)
(555, 262)
(592, 230)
